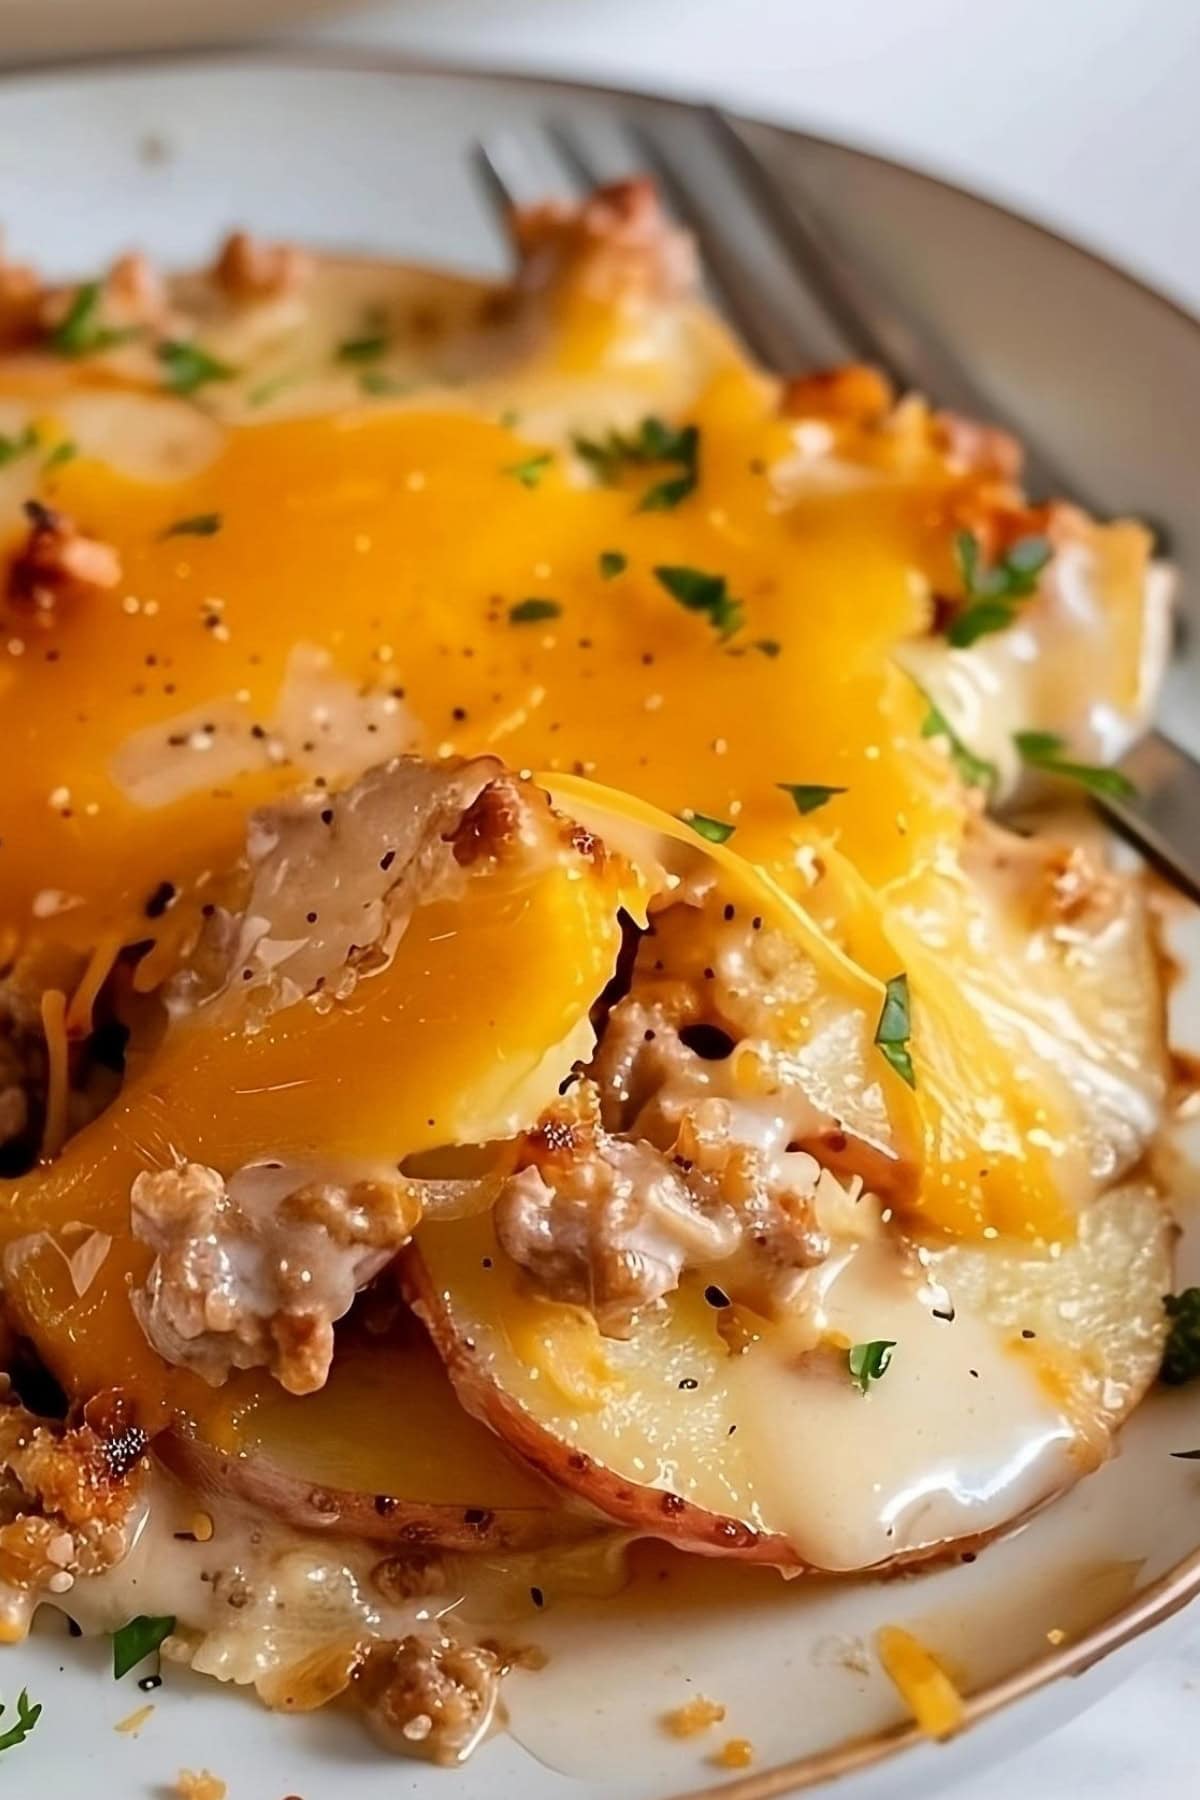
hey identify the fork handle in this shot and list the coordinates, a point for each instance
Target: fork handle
(1163, 817)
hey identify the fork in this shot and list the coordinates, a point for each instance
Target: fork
(773, 265)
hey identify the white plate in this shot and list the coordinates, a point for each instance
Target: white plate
(167, 155)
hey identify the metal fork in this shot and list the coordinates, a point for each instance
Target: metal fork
(774, 266)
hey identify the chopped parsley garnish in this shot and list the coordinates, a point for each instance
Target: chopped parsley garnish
(271, 388)
(198, 525)
(612, 562)
(717, 831)
(974, 770)
(530, 471)
(1181, 1355)
(65, 451)
(528, 612)
(362, 349)
(894, 1029)
(809, 796)
(768, 646)
(653, 442)
(867, 1362)
(137, 1640)
(27, 1718)
(1044, 750)
(379, 382)
(80, 333)
(703, 593)
(187, 367)
(12, 447)
(991, 594)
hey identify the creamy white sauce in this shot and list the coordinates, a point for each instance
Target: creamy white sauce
(957, 1437)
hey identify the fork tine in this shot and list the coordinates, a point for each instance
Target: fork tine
(741, 257)
(870, 319)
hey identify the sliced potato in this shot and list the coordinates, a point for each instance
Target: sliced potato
(384, 1452)
(733, 1436)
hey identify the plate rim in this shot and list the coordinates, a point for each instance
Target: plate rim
(1177, 1586)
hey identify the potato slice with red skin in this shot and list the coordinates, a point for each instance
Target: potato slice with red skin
(715, 1430)
(433, 1480)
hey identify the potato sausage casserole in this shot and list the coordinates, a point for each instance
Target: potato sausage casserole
(521, 1027)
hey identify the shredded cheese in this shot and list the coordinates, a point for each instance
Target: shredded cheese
(133, 1724)
(924, 1686)
(54, 1012)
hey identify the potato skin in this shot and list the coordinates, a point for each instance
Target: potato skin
(390, 1520)
(643, 1511)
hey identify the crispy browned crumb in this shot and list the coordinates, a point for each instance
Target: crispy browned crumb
(738, 1753)
(617, 243)
(136, 290)
(856, 393)
(68, 1494)
(250, 268)
(981, 449)
(189, 1786)
(58, 563)
(21, 295)
(693, 1718)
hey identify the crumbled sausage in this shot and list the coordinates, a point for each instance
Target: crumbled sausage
(58, 563)
(69, 1494)
(21, 298)
(855, 393)
(616, 243)
(250, 268)
(253, 1272)
(611, 1223)
(435, 1700)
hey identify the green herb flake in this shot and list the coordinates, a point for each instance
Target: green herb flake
(27, 1718)
(703, 593)
(769, 647)
(1181, 1354)
(20, 445)
(972, 769)
(894, 1029)
(379, 383)
(137, 1640)
(362, 349)
(1044, 750)
(271, 389)
(187, 367)
(199, 525)
(65, 451)
(653, 442)
(528, 612)
(612, 563)
(808, 796)
(529, 472)
(80, 332)
(868, 1362)
(991, 594)
(716, 831)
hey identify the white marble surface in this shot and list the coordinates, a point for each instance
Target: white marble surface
(1080, 112)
